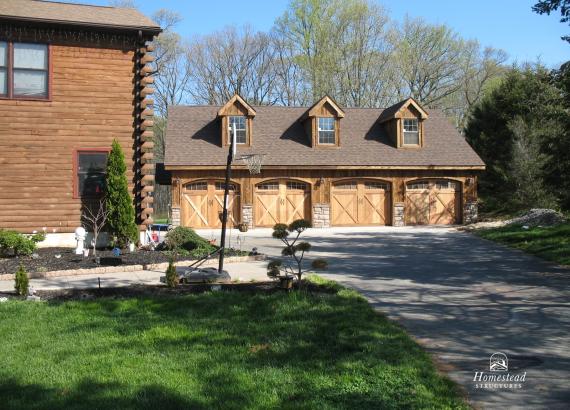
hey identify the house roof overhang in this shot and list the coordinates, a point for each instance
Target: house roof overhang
(314, 110)
(397, 110)
(231, 102)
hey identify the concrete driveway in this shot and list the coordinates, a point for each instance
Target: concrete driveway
(462, 297)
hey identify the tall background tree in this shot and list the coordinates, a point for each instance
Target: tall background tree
(517, 130)
(548, 6)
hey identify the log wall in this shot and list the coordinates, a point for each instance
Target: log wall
(92, 102)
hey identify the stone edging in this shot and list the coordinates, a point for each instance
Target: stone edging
(130, 268)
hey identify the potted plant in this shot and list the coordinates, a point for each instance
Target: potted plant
(242, 227)
(275, 271)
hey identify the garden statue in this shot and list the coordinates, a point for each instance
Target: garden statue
(80, 235)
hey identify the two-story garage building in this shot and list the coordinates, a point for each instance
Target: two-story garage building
(333, 166)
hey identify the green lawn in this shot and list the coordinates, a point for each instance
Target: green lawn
(552, 243)
(229, 350)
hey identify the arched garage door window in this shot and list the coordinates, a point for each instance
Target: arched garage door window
(360, 202)
(202, 204)
(281, 201)
(432, 201)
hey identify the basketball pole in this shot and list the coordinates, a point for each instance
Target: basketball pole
(226, 194)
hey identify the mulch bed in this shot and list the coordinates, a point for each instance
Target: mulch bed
(46, 260)
(162, 290)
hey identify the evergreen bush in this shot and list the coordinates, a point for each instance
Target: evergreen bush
(121, 219)
(171, 276)
(186, 242)
(22, 281)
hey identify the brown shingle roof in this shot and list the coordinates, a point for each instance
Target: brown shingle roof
(193, 139)
(75, 14)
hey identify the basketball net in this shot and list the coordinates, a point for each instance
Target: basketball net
(253, 162)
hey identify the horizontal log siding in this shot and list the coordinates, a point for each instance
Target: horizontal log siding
(92, 103)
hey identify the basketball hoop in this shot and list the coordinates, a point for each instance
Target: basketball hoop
(253, 162)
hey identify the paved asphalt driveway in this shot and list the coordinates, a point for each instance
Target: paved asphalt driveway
(463, 298)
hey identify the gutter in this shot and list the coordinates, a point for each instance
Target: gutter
(154, 30)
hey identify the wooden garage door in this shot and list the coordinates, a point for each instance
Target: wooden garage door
(281, 201)
(432, 202)
(360, 202)
(203, 203)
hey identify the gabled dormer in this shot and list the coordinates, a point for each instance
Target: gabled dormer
(239, 113)
(404, 122)
(322, 123)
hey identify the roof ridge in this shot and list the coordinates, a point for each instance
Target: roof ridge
(273, 106)
(80, 4)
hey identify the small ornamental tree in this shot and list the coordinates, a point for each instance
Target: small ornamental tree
(95, 216)
(289, 235)
(119, 205)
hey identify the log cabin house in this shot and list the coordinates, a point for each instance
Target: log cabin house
(332, 166)
(72, 78)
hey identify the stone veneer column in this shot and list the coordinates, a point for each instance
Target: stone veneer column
(399, 214)
(470, 212)
(321, 216)
(175, 216)
(247, 215)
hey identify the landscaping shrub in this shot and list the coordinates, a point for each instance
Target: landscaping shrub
(22, 281)
(15, 243)
(186, 242)
(118, 202)
(171, 276)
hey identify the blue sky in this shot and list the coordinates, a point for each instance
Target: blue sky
(506, 24)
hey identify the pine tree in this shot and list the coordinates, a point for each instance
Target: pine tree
(121, 219)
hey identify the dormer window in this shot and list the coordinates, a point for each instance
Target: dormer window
(411, 131)
(326, 130)
(236, 114)
(238, 122)
(322, 123)
(404, 123)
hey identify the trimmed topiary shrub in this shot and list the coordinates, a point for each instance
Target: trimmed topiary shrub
(15, 243)
(171, 276)
(22, 281)
(121, 212)
(295, 249)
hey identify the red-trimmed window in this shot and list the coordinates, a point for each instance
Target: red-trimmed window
(90, 172)
(24, 70)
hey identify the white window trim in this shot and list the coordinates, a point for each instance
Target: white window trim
(319, 131)
(237, 129)
(404, 132)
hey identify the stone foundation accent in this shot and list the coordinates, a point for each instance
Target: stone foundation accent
(470, 212)
(175, 216)
(399, 214)
(321, 216)
(247, 215)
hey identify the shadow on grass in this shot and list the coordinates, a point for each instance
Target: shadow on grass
(222, 350)
(90, 394)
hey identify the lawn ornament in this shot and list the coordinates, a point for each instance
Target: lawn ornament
(80, 235)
